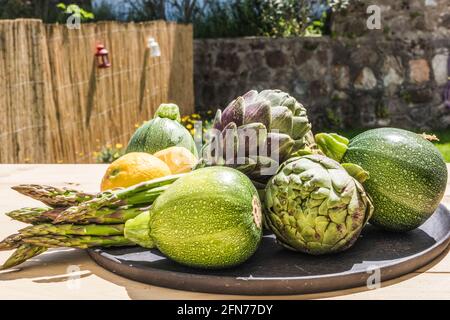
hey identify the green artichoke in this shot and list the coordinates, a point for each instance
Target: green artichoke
(256, 132)
(313, 205)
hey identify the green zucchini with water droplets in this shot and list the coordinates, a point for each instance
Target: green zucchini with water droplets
(408, 175)
(210, 218)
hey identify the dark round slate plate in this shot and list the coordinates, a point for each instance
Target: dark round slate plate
(275, 271)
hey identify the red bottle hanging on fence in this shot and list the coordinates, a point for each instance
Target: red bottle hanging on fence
(102, 57)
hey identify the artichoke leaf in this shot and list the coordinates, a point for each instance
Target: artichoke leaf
(217, 123)
(300, 126)
(234, 112)
(282, 120)
(230, 142)
(250, 137)
(278, 146)
(250, 96)
(260, 112)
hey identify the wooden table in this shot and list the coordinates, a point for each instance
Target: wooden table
(71, 274)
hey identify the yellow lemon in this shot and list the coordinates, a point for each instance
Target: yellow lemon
(133, 168)
(178, 159)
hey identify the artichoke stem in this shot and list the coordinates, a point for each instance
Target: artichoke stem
(137, 230)
(302, 152)
(332, 145)
(356, 172)
(169, 111)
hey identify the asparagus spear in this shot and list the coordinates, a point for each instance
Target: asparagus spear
(22, 254)
(50, 230)
(34, 215)
(100, 216)
(82, 242)
(71, 229)
(103, 216)
(11, 242)
(143, 193)
(146, 197)
(53, 197)
(34, 246)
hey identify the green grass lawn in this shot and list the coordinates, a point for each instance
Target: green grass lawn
(443, 144)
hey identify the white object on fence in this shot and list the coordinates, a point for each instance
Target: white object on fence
(155, 50)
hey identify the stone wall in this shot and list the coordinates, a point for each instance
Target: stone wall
(404, 18)
(375, 79)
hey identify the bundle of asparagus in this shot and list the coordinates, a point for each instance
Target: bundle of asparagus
(77, 219)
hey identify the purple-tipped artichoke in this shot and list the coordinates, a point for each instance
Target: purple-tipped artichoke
(258, 131)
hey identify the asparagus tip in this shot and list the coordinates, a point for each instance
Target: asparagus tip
(23, 187)
(58, 219)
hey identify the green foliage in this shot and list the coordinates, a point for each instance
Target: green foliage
(316, 27)
(228, 19)
(443, 144)
(444, 149)
(211, 18)
(11, 9)
(46, 10)
(206, 118)
(283, 18)
(381, 111)
(271, 18)
(406, 96)
(415, 14)
(109, 154)
(74, 10)
(339, 5)
(333, 118)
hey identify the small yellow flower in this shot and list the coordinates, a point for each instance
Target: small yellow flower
(119, 146)
(189, 126)
(209, 112)
(192, 131)
(81, 154)
(136, 125)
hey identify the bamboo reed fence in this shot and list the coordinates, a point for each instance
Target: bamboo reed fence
(56, 106)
